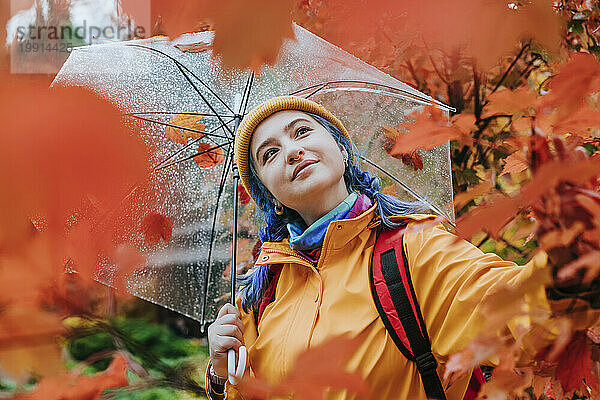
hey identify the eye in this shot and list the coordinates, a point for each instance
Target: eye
(267, 154)
(302, 130)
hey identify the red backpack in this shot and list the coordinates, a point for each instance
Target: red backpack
(396, 302)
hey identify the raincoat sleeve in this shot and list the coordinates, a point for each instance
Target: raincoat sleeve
(452, 278)
(250, 335)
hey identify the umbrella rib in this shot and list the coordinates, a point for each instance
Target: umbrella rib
(188, 145)
(186, 68)
(422, 98)
(246, 100)
(181, 127)
(404, 186)
(210, 150)
(176, 113)
(212, 231)
(316, 90)
(202, 96)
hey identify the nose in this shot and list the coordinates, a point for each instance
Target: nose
(294, 153)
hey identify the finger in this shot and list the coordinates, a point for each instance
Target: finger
(227, 342)
(227, 309)
(231, 319)
(230, 331)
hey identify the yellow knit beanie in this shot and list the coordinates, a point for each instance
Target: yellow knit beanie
(246, 128)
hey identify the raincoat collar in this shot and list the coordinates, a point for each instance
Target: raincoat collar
(307, 238)
(338, 234)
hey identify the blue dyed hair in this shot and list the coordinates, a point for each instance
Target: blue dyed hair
(255, 282)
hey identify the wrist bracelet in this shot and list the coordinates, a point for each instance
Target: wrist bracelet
(214, 378)
(214, 389)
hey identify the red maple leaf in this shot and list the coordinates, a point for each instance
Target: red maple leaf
(413, 160)
(244, 196)
(575, 364)
(156, 226)
(209, 155)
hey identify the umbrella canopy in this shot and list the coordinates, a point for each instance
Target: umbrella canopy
(179, 99)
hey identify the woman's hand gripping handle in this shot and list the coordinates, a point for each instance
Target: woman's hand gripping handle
(225, 338)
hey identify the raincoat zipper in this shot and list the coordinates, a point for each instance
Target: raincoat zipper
(296, 254)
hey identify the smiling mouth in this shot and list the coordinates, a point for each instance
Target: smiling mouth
(301, 168)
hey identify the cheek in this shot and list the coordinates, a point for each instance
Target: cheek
(270, 176)
(336, 158)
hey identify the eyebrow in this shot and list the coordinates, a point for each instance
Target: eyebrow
(269, 141)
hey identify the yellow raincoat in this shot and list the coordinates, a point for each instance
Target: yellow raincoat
(313, 305)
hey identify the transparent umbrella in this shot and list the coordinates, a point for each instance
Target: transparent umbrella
(186, 107)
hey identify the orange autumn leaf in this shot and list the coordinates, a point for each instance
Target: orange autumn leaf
(589, 262)
(539, 386)
(505, 383)
(316, 369)
(578, 122)
(494, 214)
(463, 198)
(514, 163)
(50, 168)
(561, 237)
(29, 342)
(444, 25)
(576, 79)
(552, 173)
(506, 300)
(155, 227)
(247, 34)
(188, 126)
(430, 129)
(209, 155)
(472, 356)
(250, 34)
(127, 259)
(590, 201)
(29, 269)
(81, 387)
(197, 47)
(594, 334)
(174, 16)
(490, 216)
(511, 102)
(82, 247)
(464, 122)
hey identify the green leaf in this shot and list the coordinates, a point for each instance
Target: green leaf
(575, 26)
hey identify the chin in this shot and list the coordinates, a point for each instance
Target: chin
(313, 190)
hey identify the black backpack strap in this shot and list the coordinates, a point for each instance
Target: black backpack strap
(396, 302)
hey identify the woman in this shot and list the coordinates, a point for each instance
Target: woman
(321, 215)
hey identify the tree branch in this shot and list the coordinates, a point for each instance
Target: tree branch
(510, 67)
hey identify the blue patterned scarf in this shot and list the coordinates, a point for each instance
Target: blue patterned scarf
(304, 238)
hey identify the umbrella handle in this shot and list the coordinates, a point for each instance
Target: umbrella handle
(235, 374)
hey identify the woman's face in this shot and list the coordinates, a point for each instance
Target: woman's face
(300, 163)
